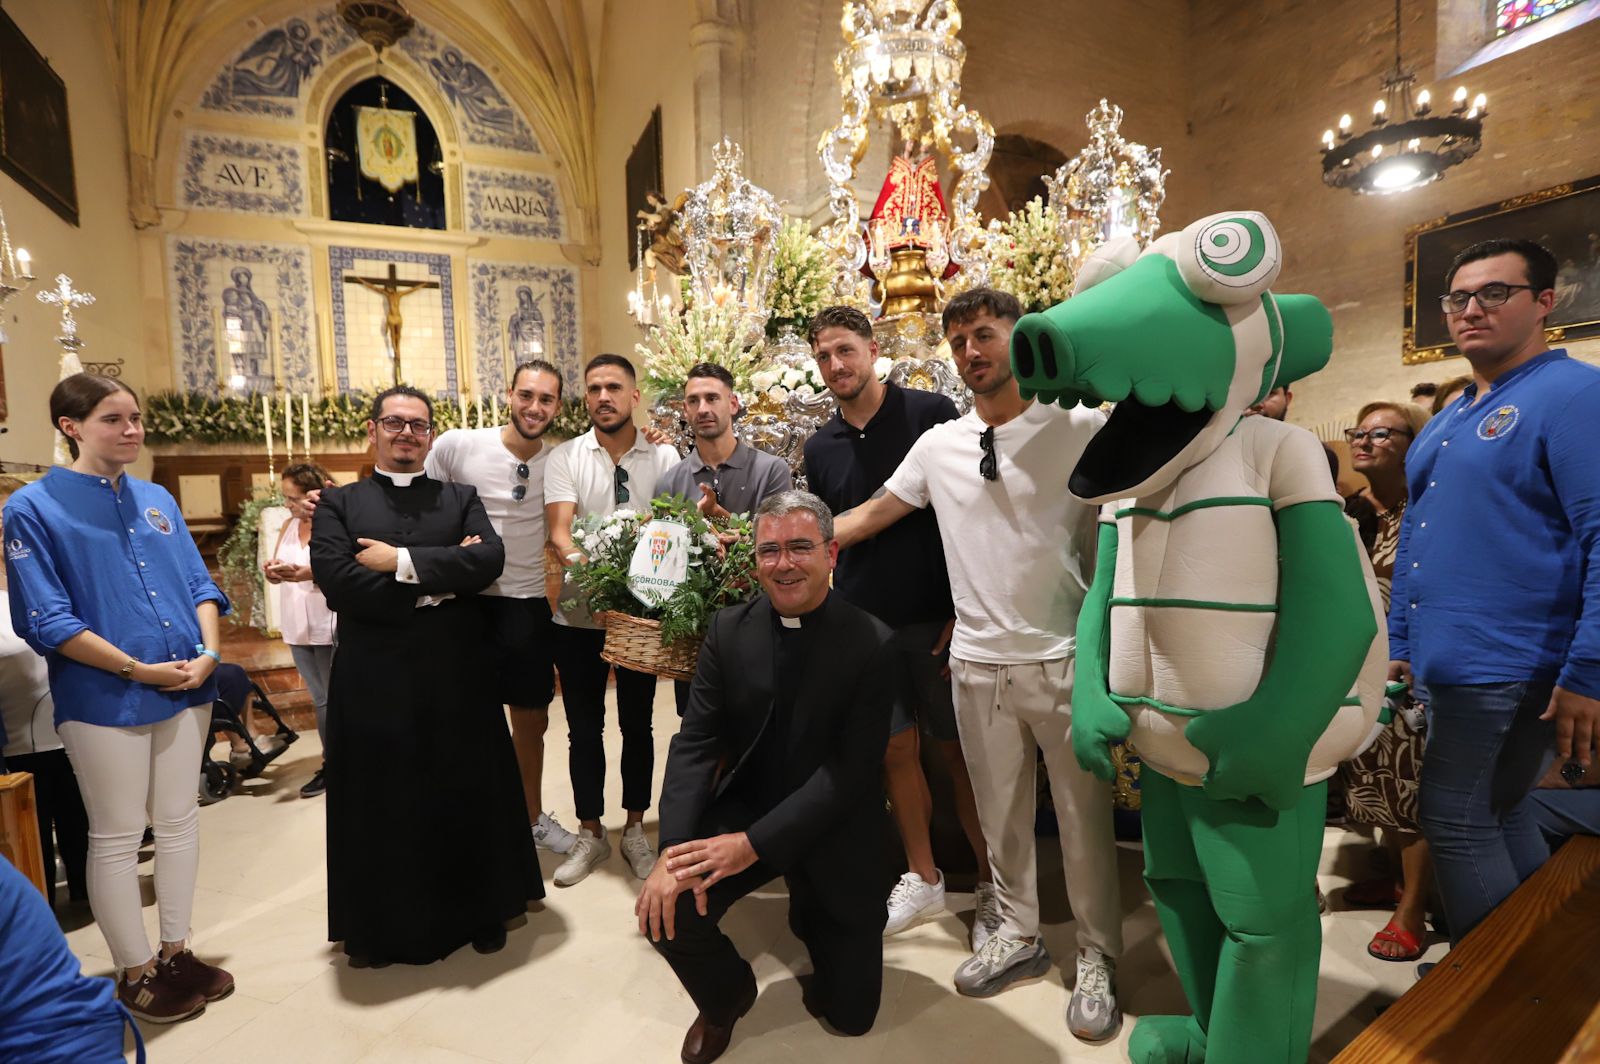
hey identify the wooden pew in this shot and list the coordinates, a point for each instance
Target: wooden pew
(1524, 986)
(19, 828)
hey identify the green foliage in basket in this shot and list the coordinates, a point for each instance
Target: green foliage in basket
(713, 582)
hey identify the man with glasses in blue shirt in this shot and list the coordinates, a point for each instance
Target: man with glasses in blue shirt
(1495, 606)
(610, 467)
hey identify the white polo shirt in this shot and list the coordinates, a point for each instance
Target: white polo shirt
(1020, 548)
(479, 457)
(581, 471)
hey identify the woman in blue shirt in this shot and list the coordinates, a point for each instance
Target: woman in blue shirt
(106, 583)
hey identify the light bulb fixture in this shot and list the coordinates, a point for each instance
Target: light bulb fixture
(16, 272)
(1407, 145)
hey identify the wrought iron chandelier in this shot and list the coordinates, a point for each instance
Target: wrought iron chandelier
(1409, 144)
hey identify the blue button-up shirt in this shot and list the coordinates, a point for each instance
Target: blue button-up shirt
(83, 554)
(1500, 544)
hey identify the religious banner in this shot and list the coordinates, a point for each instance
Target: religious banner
(660, 562)
(386, 141)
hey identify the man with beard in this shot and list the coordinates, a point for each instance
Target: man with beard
(610, 467)
(1020, 551)
(506, 464)
(900, 578)
(428, 847)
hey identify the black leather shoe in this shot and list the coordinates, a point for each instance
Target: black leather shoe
(490, 940)
(705, 1041)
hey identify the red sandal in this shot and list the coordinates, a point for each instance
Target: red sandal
(1399, 936)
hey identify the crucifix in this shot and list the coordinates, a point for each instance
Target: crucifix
(66, 297)
(393, 290)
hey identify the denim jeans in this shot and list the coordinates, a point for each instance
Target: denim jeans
(1486, 749)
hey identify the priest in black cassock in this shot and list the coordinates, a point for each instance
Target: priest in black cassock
(428, 844)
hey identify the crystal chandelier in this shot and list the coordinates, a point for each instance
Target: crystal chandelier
(901, 62)
(16, 271)
(1113, 187)
(1408, 144)
(729, 225)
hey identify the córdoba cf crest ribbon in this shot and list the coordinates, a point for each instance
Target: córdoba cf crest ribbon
(660, 561)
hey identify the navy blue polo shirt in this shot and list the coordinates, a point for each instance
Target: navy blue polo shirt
(1497, 577)
(899, 575)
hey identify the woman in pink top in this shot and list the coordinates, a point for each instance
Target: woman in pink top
(304, 618)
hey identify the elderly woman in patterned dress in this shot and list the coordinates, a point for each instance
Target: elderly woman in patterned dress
(1381, 784)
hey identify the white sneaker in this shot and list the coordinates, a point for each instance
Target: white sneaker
(637, 851)
(1092, 1012)
(985, 916)
(913, 899)
(586, 854)
(548, 834)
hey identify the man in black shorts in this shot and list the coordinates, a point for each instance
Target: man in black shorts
(902, 581)
(505, 464)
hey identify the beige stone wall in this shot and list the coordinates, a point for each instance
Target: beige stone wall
(1268, 78)
(101, 254)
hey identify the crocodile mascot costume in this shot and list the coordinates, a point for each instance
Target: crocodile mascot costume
(1229, 632)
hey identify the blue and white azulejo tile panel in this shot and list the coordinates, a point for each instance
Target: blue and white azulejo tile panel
(231, 173)
(362, 361)
(241, 314)
(487, 116)
(521, 311)
(273, 73)
(512, 203)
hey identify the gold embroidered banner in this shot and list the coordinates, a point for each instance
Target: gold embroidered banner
(386, 142)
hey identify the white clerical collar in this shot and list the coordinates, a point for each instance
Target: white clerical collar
(401, 480)
(789, 622)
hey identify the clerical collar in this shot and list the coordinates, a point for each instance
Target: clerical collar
(789, 622)
(401, 480)
(800, 621)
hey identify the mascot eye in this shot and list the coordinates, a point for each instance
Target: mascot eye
(1235, 257)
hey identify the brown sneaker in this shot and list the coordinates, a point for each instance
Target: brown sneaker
(191, 973)
(155, 998)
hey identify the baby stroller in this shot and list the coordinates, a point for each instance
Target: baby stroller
(234, 688)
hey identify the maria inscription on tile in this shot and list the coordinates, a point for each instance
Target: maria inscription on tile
(513, 203)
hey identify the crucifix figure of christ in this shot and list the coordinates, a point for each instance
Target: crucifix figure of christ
(393, 290)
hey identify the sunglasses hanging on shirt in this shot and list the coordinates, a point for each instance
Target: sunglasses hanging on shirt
(520, 491)
(988, 465)
(620, 495)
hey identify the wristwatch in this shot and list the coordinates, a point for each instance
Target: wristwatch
(201, 650)
(126, 672)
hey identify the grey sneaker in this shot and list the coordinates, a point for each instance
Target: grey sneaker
(548, 834)
(985, 916)
(1092, 1013)
(1001, 962)
(586, 855)
(637, 851)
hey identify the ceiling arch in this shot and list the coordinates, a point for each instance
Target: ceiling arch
(538, 51)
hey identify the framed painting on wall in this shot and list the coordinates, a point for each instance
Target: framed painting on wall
(642, 177)
(1565, 219)
(35, 134)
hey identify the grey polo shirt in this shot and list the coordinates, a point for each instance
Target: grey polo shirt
(747, 477)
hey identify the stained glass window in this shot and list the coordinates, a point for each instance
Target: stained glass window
(1515, 14)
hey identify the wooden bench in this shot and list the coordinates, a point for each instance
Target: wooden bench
(19, 829)
(1524, 986)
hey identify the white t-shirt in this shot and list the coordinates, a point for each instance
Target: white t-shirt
(479, 457)
(1020, 548)
(27, 714)
(581, 471)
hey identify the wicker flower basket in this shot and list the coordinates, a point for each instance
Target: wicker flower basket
(634, 643)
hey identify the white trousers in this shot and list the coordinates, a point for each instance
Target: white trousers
(130, 777)
(1002, 713)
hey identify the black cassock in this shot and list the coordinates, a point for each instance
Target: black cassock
(428, 840)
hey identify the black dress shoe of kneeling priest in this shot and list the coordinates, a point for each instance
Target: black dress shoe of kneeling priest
(706, 1041)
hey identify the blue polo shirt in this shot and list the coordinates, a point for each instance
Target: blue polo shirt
(83, 554)
(1500, 543)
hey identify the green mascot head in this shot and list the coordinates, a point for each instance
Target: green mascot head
(1183, 337)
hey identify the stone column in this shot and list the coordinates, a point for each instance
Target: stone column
(718, 43)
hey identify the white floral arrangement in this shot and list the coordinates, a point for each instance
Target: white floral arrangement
(802, 277)
(805, 381)
(706, 331)
(1027, 257)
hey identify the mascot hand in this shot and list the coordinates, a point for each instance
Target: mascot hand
(1096, 723)
(1255, 751)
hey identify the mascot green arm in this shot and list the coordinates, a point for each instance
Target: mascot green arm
(1096, 719)
(1259, 747)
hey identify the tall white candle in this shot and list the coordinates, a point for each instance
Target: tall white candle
(288, 428)
(478, 402)
(305, 420)
(462, 396)
(266, 419)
